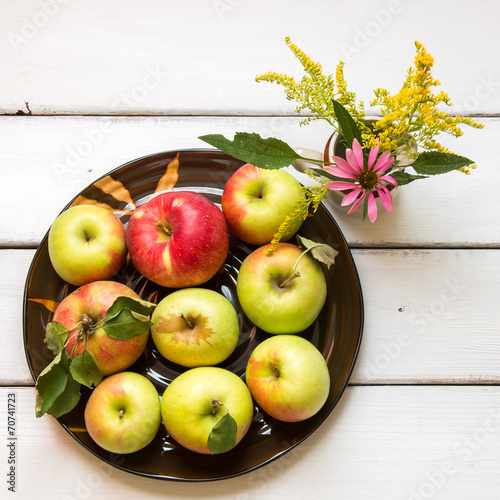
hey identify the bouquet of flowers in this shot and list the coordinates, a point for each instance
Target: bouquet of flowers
(377, 153)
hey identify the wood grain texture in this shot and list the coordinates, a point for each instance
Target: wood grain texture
(46, 161)
(379, 443)
(442, 330)
(108, 58)
(107, 82)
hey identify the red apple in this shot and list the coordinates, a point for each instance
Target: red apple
(178, 239)
(93, 300)
(256, 201)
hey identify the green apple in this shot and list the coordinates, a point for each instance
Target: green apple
(288, 378)
(122, 414)
(198, 398)
(273, 297)
(195, 327)
(87, 243)
(255, 202)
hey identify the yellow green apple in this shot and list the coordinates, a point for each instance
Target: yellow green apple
(122, 415)
(195, 327)
(288, 378)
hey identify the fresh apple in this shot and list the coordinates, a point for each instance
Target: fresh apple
(195, 327)
(288, 378)
(198, 398)
(91, 301)
(122, 415)
(273, 297)
(87, 243)
(178, 239)
(256, 201)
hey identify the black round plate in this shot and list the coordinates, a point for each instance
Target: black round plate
(336, 333)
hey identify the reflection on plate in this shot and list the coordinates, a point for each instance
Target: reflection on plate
(337, 331)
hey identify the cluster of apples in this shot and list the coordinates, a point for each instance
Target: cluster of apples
(180, 240)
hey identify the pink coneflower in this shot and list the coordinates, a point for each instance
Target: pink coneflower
(363, 180)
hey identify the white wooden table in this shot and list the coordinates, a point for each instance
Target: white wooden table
(86, 86)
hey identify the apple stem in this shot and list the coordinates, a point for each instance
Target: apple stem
(215, 404)
(162, 226)
(296, 274)
(120, 415)
(276, 371)
(186, 320)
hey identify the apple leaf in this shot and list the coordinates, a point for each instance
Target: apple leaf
(270, 153)
(140, 307)
(55, 336)
(84, 369)
(320, 251)
(51, 383)
(126, 325)
(67, 400)
(222, 437)
(127, 318)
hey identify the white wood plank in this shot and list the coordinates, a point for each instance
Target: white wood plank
(380, 443)
(430, 316)
(14, 266)
(46, 161)
(197, 57)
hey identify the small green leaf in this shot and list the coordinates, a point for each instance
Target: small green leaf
(251, 148)
(66, 401)
(347, 126)
(434, 163)
(140, 307)
(222, 437)
(403, 178)
(126, 325)
(320, 251)
(84, 369)
(51, 383)
(127, 318)
(55, 336)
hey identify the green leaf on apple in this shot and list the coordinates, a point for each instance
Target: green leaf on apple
(222, 438)
(84, 369)
(320, 251)
(128, 318)
(55, 336)
(270, 153)
(66, 401)
(126, 325)
(52, 383)
(140, 307)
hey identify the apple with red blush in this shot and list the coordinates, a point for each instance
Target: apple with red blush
(255, 202)
(178, 239)
(82, 313)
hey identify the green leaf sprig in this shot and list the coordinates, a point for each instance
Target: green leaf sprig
(222, 437)
(58, 385)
